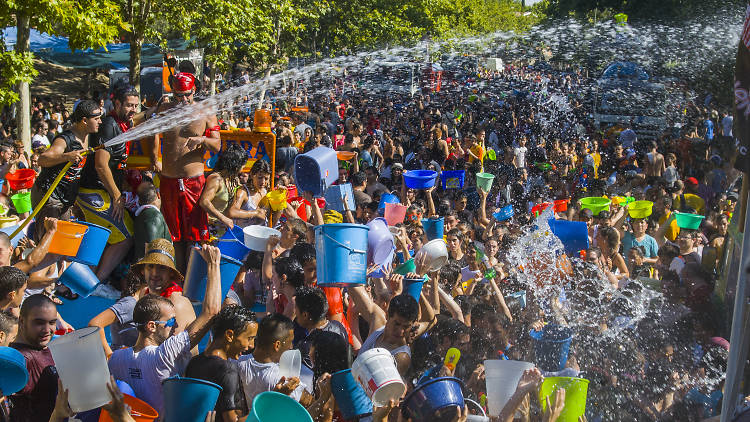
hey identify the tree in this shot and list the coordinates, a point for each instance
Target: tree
(87, 23)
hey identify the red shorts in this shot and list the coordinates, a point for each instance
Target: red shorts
(179, 203)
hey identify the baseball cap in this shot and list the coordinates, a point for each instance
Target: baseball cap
(691, 181)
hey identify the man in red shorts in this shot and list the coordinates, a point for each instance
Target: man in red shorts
(181, 170)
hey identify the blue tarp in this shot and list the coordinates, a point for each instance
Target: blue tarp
(55, 49)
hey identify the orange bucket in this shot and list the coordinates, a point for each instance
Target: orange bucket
(344, 155)
(140, 411)
(561, 205)
(67, 238)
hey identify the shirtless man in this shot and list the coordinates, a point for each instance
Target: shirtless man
(655, 164)
(182, 168)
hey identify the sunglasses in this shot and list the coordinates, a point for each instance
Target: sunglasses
(168, 323)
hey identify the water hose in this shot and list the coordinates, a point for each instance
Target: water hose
(46, 196)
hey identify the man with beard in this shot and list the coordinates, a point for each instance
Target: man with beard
(182, 170)
(99, 195)
(35, 328)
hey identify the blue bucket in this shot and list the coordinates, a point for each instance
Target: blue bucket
(433, 227)
(232, 244)
(387, 198)
(431, 397)
(316, 170)
(13, 369)
(334, 194)
(79, 278)
(197, 274)
(413, 287)
(551, 347)
(188, 399)
(505, 213)
(125, 388)
(574, 235)
(92, 245)
(453, 179)
(271, 406)
(342, 254)
(350, 397)
(420, 179)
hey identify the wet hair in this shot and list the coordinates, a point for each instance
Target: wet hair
(84, 110)
(148, 308)
(313, 301)
(146, 193)
(273, 328)
(7, 321)
(232, 160)
(610, 235)
(404, 306)
(11, 279)
(358, 179)
(331, 352)
(35, 301)
(292, 269)
(122, 94)
(134, 281)
(304, 253)
(299, 228)
(232, 317)
(254, 260)
(260, 166)
(449, 274)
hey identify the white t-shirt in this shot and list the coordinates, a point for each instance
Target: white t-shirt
(372, 339)
(520, 154)
(261, 377)
(144, 371)
(41, 138)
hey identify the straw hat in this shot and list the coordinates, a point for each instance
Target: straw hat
(159, 252)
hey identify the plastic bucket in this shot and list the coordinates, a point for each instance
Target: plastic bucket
(429, 398)
(302, 209)
(574, 235)
(92, 245)
(413, 287)
(561, 205)
(79, 278)
(197, 275)
(380, 245)
(437, 254)
(551, 347)
(334, 194)
(407, 267)
(350, 397)
(256, 237)
(9, 231)
(67, 239)
(21, 202)
(688, 221)
(453, 179)
(501, 377)
(316, 170)
(576, 391)
(276, 199)
(433, 227)
(188, 399)
(290, 364)
(484, 181)
(140, 411)
(82, 366)
(539, 208)
(505, 213)
(342, 254)
(13, 367)
(419, 179)
(9, 221)
(271, 406)
(232, 245)
(291, 192)
(394, 213)
(387, 198)
(375, 370)
(21, 179)
(344, 155)
(596, 204)
(640, 209)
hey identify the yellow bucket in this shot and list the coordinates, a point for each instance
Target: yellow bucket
(8, 221)
(276, 199)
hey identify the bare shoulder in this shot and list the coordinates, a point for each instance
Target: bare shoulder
(179, 301)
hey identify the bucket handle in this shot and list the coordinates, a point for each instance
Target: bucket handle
(230, 231)
(343, 245)
(73, 236)
(477, 405)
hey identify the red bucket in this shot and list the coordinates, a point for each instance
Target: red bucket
(21, 179)
(302, 210)
(539, 208)
(561, 205)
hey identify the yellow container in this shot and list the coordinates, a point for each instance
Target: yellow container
(276, 199)
(640, 209)
(8, 221)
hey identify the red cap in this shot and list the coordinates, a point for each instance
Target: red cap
(692, 180)
(183, 82)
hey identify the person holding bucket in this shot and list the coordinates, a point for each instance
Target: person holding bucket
(161, 351)
(220, 188)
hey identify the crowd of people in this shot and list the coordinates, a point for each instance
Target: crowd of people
(659, 360)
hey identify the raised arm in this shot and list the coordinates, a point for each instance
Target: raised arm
(106, 318)
(40, 251)
(212, 299)
(367, 308)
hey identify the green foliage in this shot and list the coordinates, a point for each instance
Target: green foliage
(661, 10)
(14, 68)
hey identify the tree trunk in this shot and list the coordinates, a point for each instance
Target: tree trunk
(262, 95)
(136, 45)
(23, 112)
(212, 82)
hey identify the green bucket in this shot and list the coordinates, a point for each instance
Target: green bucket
(576, 390)
(407, 267)
(688, 221)
(596, 204)
(484, 181)
(491, 154)
(22, 202)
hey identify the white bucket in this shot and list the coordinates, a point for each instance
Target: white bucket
(437, 254)
(290, 364)
(501, 377)
(256, 237)
(82, 366)
(375, 370)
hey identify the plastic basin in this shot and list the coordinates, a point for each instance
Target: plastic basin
(21, 179)
(13, 367)
(595, 204)
(188, 399)
(342, 254)
(688, 221)
(140, 411)
(484, 181)
(271, 406)
(430, 398)
(256, 237)
(407, 267)
(576, 391)
(505, 213)
(640, 209)
(21, 202)
(344, 155)
(437, 254)
(419, 179)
